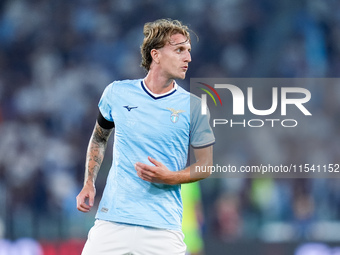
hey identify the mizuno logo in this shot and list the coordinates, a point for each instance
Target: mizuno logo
(129, 108)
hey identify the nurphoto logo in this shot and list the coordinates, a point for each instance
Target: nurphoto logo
(269, 127)
(244, 100)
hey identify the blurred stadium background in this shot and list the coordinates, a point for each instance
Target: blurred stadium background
(56, 57)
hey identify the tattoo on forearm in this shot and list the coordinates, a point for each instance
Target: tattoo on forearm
(96, 151)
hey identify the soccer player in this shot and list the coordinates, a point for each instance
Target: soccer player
(140, 211)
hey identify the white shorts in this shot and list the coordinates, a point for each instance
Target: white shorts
(110, 238)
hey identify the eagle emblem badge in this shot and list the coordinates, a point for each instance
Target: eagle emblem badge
(174, 114)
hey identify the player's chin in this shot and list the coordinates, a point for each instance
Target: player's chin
(182, 76)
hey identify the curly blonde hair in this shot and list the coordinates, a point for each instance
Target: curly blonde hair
(157, 34)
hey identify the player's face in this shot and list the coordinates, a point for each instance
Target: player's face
(175, 57)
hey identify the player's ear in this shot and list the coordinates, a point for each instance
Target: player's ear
(155, 55)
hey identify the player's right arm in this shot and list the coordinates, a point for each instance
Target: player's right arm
(94, 158)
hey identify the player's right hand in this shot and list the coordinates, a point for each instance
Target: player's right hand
(85, 198)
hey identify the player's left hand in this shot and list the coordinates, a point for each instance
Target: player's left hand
(158, 173)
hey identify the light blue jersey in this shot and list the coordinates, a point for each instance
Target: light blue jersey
(148, 125)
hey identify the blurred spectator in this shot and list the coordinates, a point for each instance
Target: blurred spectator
(228, 222)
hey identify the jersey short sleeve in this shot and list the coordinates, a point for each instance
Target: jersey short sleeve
(201, 134)
(105, 103)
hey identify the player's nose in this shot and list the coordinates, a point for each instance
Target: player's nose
(187, 57)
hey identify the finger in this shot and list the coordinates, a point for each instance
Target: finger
(138, 169)
(81, 203)
(146, 176)
(79, 198)
(139, 172)
(154, 161)
(143, 167)
(91, 200)
(143, 174)
(146, 172)
(84, 208)
(139, 166)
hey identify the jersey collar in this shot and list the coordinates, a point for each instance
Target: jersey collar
(158, 96)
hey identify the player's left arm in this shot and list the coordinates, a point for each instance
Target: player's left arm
(159, 173)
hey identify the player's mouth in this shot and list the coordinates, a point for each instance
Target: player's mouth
(185, 68)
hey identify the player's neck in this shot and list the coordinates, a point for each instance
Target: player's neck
(158, 84)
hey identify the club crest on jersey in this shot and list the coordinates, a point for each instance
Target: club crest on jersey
(174, 114)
